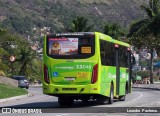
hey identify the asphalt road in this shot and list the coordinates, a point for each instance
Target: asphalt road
(138, 98)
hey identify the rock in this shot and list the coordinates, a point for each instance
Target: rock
(8, 81)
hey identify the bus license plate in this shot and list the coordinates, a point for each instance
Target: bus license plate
(70, 78)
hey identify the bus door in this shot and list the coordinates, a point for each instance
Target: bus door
(131, 61)
(117, 69)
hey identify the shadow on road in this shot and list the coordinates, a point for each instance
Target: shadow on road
(77, 104)
(77, 107)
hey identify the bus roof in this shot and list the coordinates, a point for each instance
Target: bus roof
(101, 36)
(110, 39)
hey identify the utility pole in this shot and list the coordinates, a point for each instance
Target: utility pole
(151, 67)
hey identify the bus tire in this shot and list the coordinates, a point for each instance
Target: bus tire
(110, 99)
(123, 97)
(65, 101)
(127, 88)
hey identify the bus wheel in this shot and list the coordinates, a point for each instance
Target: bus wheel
(122, 98)
(110, 99)
(65, 101)
(101, 99)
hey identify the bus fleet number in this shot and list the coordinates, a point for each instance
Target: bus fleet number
(83, 66)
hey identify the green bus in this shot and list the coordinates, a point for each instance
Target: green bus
(86, 66)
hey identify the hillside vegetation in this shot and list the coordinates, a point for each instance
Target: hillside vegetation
(23, 15)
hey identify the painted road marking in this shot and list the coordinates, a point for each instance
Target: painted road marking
(136, 98)
(128, 102)
(122, 103)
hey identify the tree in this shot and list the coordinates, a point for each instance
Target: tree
(148, 25)
(115, 31)
(146, 31)
(25, 57)
(26, 61)
(29, 64)
(80, 24)
(3, 54)
(2, 32)
(3, 58)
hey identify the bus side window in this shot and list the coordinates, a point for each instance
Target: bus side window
(103, 58)
(110, 54)
(102, 52)
(107, 52)
(123, 56)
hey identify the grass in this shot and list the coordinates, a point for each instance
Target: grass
(7, 91)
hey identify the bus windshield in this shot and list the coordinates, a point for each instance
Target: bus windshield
(70, 47)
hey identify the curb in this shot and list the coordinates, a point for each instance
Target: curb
(15, 98)
(148, 88)
(155, 86)
(35, 86)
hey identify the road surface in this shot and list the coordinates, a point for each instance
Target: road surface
(138, 98)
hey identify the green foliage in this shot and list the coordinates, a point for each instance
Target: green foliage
(3, 56)
(26, 55)
(35, 72)
(21, 15)
(2, 32)
(156, 78)
(21, 24)
(146, 31)
(26, 61)
(80, 24)
(143, 63)
(114, 30)
(7, 24)
(143, 74)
